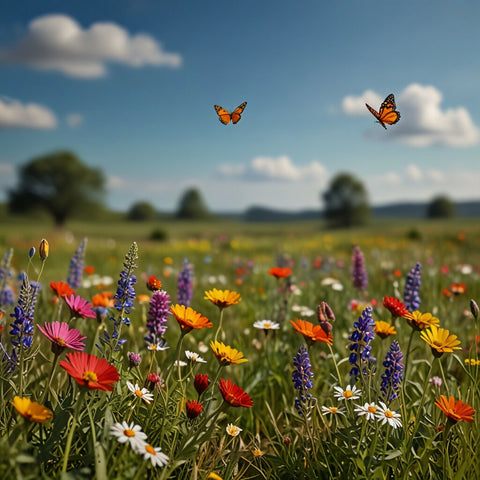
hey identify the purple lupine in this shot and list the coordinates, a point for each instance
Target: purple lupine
(77, 262)
(6, 294)
(359, 272)
(185, 284)
(393, 375)
(157, 316)
(302, 381)
(360, 342)
(411, 299)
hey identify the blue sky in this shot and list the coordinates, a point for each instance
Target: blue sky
(130, 87)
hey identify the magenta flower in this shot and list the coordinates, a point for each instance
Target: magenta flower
(79, 307)
(62, 336)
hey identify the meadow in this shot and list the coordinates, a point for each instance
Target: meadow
(362, 386)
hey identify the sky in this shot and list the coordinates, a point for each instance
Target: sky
(129, 86)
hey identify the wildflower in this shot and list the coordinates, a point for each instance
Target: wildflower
(280, 272)
(359, 272)
(180, 363)
(155, 455)
(125, 293)
(350, 393)
(159, 346)
(474, 308)
(412, 287)
(62, 336)
(436, 381)
(458, 288)
(134, 359)
(311, 333)
(43, 250)
(233, 430)
(234, 395)
(90, 371)
(419, 320)
(393, 371)
(194, 409)
(226, 355)
(222, 298)
(324, 314)
(332, 410)
(367, 409)
(257, 452)
(153, 283)
(201, 383)
(79, 307)
(188, 318)
(32, 411)
(61, 289)
(384, 329)
(104, 299)
(302, 381)
(185, 284)
(75, 270)
(153, 380)
(194, 357)
(455, 411)
(440, 340)
(385, 415)
(157, 316)
(214, 476)
(266, 325)
(360, 341)
(129, 433)
(138, 392)
(395, 307)
(89, 270)
(22, 329)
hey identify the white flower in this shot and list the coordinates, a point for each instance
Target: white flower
(180, 363)
(155, 455)
(332, 410)
(233, 430)
(384, 415)
(129, 433)
(142, 393)
(159, 346)
(350, 393)
(266, 325)
(368, 409)
(194, 357)
(203, 347)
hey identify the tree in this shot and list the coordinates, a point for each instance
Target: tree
(346, 202)
(192, 206)
(441, 207)
(140, 211)
(58, 183)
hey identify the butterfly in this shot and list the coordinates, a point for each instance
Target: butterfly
(224, 116)
(387, 114)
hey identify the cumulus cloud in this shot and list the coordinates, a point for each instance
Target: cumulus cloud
(414, 173)
(74, 120)
(59, 43)
(14, 114)
(269, 168)
(423, 121)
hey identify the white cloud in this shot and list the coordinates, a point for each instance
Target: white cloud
(414, 173)
(423, 122)
(58, 42)
(274, 169)
(14, 114)
(74, 120)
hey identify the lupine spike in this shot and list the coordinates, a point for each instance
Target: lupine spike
(302, 381)
(75, 271)
(411, 297)
(185, 284)
(393, 375)
(157, 316)
(359, 272)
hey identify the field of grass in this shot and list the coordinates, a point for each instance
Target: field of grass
(278, 440)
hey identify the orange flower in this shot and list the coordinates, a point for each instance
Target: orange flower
(188, 318)
(154, 283)
(32, 411)
(279, 272)
(61, 289)
(104, 299)
(89, 270)
(384, 329)
(222, 298)
(311, 333)
(458, 288)
(234, 395)
(456, 411)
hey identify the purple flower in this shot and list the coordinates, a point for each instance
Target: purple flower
(359, 273)
(75, 271)
(185, 284)
(393, 375)
(413, 281)
(157, 316)
(360, 341)
(6, 294)
(302, 380)
(134, 359)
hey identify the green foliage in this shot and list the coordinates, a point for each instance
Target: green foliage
(441, 207)
(192, 206)
(159, 235)
(141, 211)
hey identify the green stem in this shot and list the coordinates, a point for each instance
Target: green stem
(219, 324)
(47, 388)
(335, 363)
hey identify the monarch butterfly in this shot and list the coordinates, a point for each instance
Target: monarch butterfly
(224, 116)
(387, 114)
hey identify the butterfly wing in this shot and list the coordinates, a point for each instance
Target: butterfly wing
(387, 113)
(223, 115)
(237, 114)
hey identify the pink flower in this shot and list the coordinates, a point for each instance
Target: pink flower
(62, 336)
(80, 307)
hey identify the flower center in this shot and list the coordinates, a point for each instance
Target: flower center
(348, 394)
(89, 376)
(60, 341)
(267, 325)
(138, 393)
(129, 433)
(150, 450)
(389, 414)
(371, 409)
(334, 409)
(438, 344)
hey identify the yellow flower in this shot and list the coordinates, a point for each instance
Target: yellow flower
(419, 320)
(257, 452)
(188, 318)
(226, 355)
(384, 329)
(32, 411)
(214, 476)
(222, 298)
(440, 340)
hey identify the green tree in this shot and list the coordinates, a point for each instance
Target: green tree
(141, 211)
(346, 202)
(441, 207)
(192, 206)
(59, 183)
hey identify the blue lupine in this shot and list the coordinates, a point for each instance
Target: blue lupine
(359, 272)
(360, 341)
(185, 284)
(411, 299)
(393, 375)
(6, 295)
(302, 381)
(77, 262)
(157, 316)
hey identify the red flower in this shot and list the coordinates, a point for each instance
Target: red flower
(154, 283)
(234, 395)
(279, 272)
(395, 307)
(201, 383)
(456, 411)
(90, 371)
(89, 270)
(62, 289)
(194, 409)
(458, 288)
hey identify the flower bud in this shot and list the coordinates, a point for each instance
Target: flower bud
(43, 249)
(201, 383)
(31, 253)
(474, 308)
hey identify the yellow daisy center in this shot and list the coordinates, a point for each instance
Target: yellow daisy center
(389, 414)
(129, 433)
(371, 409)
(89, 376)
(138, 393)
(334, 409)
(348, 394)
(267, 325)
(150, 450)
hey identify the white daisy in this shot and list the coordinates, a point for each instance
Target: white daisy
(155, 455)
(194, 357)
(332, 410)
(368, 409)
(233, 430)
(350, 393)
(129, 433)
(159, 346)
(384, 415)
(180, 363)
(266, 325)
(142, 393)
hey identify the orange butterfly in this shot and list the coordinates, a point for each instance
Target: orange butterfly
(224, 116)
(387, 114)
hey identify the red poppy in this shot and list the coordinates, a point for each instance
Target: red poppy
(89, 270)
(194, 408)
(280, 272)
(201, 383)
(458, 288)
(234, 395)
(89, 371)
(154, 283)
(395, 307)
(62, 289)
